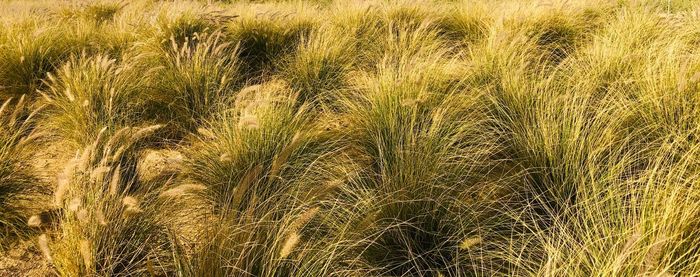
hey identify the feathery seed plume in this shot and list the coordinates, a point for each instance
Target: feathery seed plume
(101, 217)
(145, 132)
(303, 219)
(225, 157)
(86, 253)
(74, 204)
(34, 221)
(82, 215)
(98, 174)
(182, 190)
(289, 245)
(131, 204)
(115, 182)
(249, 122)
(44, 247)
(206, 132)
(468, 243)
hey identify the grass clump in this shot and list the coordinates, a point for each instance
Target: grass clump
(465, 25)
(418, 135)
(193, 81)
(644, 239)
(264, 146)
(28, 53)
(187, 22)
(263, 163)
(110, 223)
(89, 93)
(21, 193)
(351, 138)
(99, 12)
(265, 36)
(32, 48)
(320, 65)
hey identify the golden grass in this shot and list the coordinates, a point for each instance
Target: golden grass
(352, 138)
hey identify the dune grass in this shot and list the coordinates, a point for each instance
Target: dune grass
(21, 193)
(352, 138)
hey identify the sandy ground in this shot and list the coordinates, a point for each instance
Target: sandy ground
(50, 161)
(24, 259)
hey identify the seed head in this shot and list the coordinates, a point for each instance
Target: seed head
(206, 132)
(303, 219)
(468, 243)
(101, 217)
(86, 252)
(248, 122)
(182, 190)
(74, 204)
(114, 183)
(44, 246)
(225, 157)
(34, 221)
(132, 205)
(289, 245)
(82, 215)
(99, 173)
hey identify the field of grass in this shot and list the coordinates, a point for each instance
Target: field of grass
(350, 138)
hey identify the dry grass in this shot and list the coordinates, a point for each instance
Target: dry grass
(351, 138)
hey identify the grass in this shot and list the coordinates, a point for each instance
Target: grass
(109, 222)
(89, 93)
(193, 80)
(351, 138)
(21, 193)
(319, 66)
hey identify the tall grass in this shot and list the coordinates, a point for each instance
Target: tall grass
(91, 92)
(263, 147)
(352, 138)
(319, 66)
(192, 81)
(29, 51)
(264, 35)
(417, 131)
(110, 222)
(21, 193)
(263, 163)
(37, 45)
